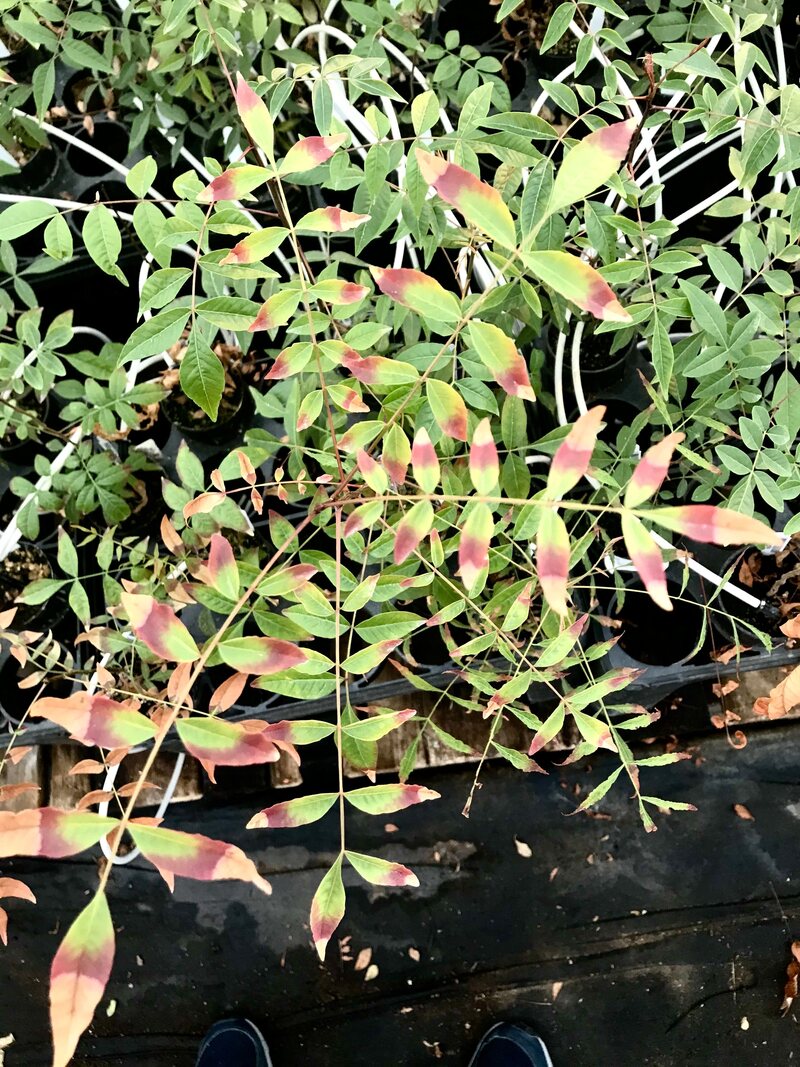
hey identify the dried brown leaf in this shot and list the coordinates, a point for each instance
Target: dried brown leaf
(9, 792)
(12, 887)
(170, 536)
(729, 653)
(96, 796)
(228, 692)
(723, 689)
(363, 959)
(523, 848)
(130, 787)
(87, 766)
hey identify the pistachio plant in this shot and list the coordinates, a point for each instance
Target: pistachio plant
(410, 478)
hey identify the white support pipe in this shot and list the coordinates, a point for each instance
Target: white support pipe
(89, 149)
(662, 542)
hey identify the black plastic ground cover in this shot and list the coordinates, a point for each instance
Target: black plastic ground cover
(622, 948)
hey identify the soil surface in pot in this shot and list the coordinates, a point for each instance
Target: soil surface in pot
(774, 578)
(15, 700)
(184, 413)
(596, 354)
(24, 565)
(527, 25)
(651, 635)
(36, 412)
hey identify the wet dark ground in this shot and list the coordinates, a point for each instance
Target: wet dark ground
(622, 947)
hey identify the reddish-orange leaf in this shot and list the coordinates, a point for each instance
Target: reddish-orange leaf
(411, 529)
(301, 811)
(473, 546)
(18, 789)
(484, 466)
(591, 163)
(418, 291)
(336, 291)
(310, 152)
(719, 526)
(203, 503)
(227, 693)
(158, 627)
(223, 572)
(647, 559)
(12, 887)
(378, 370)
(51, 832)
(79, 975)
(246, 468)
(228, 744)
(95, 719)
(574, 454)
(499, 355)
(385, 799)
(234, 183)
(448, 408)
(575, 280)
(260, 655)
(374, 474)
(254, 115)
(276, 310)
(479, 203)
(256, 246)
(552, 559)
(396, 454)
(331, 220)
(381, 872)
(651, 470)
(87, 766)
(425, 462)
(174, 852)
(170, 536)
(327, 907)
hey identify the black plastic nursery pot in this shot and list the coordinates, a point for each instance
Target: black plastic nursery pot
(647, 635)
(235, 411)
(427, 648)
(21, 451)
(608, 367)
(27, 563)
(604, 361)
(15, 699)
(773, 578)
(146, 504)
(110, 138)
(38, 172)
(663, 646)
(24, 564)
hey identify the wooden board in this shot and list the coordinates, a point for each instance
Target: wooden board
(469, 727)
(30, 768)
(664, 942)
(65, 789)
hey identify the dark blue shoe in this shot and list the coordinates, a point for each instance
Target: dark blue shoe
(234, 1043)
(510, 1045)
